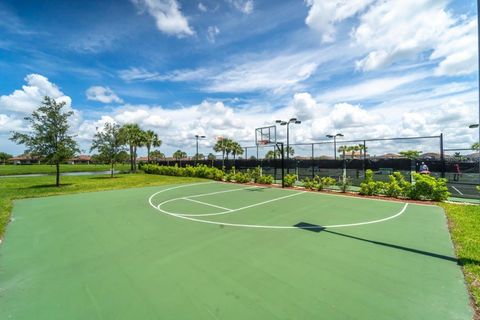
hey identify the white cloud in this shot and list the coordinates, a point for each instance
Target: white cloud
(212, 32)
(369, 89)
(140, 74)
(10, 123)
(31, 95)
(102, 94)
(425, 25)
(202, 7)
(323, 15)
(272, 73)
(168, 17)
(245, 6)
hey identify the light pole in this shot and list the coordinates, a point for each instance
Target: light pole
(287, 123)
(198, 137)
(334, 136)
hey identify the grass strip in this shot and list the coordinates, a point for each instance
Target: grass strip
(464, 224)
(11, 169)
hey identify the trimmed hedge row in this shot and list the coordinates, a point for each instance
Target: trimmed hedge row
(203, 171)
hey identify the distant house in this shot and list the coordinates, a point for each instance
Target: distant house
(81, 159)
(430, 156)
(24, 159)
(142, 159)
(390, 156)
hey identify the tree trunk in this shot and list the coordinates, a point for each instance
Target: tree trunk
(111, 169)
(57, 182)
(148, 154)
(131, 158)
(135, 159)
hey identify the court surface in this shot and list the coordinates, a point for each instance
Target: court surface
(227, 251)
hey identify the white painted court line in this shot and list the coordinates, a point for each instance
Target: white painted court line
(218, 192)
(206, 204)
(223, 212)
(184, 216)
(457, 190)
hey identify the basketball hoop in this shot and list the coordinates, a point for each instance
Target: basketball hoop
(263, 142)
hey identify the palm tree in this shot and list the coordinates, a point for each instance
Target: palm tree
(354, 149)
(342, 150)
(476, 146)
(156, 155)
(211, 156)
(236, 149)
(134, 137)
(179, 154)
(272, 154)
(220, 146)
(289, 150)
(363, 149)
(410, 154)
(151, 139)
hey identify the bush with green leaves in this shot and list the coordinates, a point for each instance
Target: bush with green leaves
(229, 177)
(310, 184)
(369, 187)
(199, 171)
(266, 179)
(289, 180)
(344, 184)
(242, 177)
(427, 187)
(325, 182)
(255, 173)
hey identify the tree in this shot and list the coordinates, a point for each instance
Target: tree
(211, 156)
(5, 156)
(236, 149)
(156, 155)
(123, 157)
(199, 156)
(342, 150)
(354, 149)
(272, 154)
(179, 154)
(410, 154)
(134, 137)
(151, 140)
(109, 144)
(221, 146)
(363, 149)
(49, 138)
(476, 146)
(290, 151)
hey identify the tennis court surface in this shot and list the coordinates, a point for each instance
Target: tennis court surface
(226, 251)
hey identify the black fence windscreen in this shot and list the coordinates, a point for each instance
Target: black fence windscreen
(383, 156)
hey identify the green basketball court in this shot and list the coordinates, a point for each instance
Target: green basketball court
(227, 251)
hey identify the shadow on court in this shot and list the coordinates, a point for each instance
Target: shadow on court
(316, 228)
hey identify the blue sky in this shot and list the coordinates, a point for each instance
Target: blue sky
(367, 68)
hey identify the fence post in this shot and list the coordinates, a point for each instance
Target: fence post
(364, 157)
(313, 162)
(442, 155)
(246, 153)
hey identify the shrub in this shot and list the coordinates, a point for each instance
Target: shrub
(256, 174)
(310, 184)
(229, 177)
(289, 180)
(344, 184)
(326, 182)
(427, 187)
(199, 171)
(241, 177)
(265, 179)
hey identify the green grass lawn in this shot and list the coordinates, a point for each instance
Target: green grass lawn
(46, 168)
(464, 223)
(29, 187)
